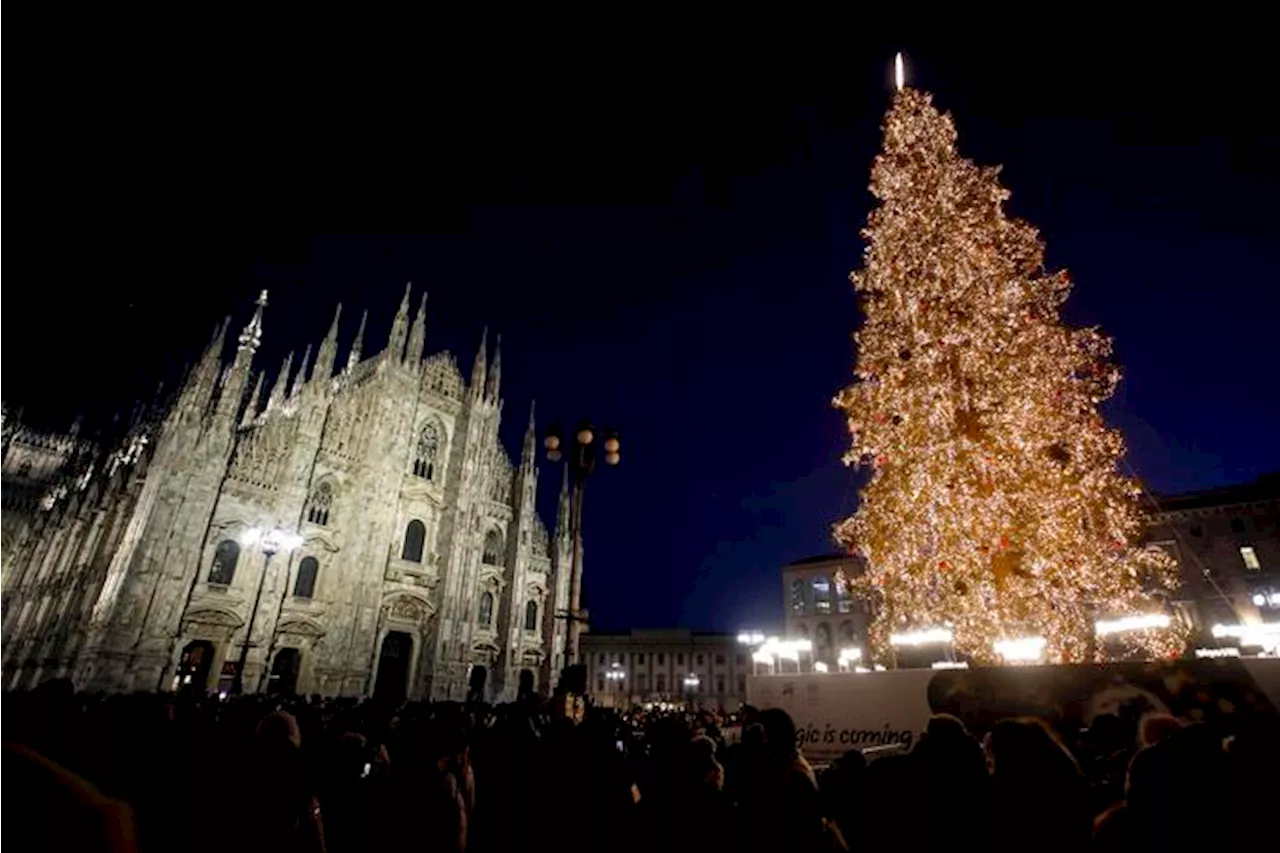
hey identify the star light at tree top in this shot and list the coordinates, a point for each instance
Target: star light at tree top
(994, 507)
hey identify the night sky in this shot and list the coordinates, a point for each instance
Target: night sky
(660, 223)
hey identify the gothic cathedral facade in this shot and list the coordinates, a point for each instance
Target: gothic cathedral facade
(357, 532)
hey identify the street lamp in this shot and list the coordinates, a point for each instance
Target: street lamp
(579, 454)
(271, 542)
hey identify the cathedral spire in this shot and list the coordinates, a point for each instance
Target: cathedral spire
(399, 328)
(276, 400)
(478, 366)
(236, 376)
(300, 378)
(199, 383)
(252, 334)
(529, 454)
(562, 509)
(328, 353)
(495, 372)
(353, 357)
(251, 410)
(418, 335)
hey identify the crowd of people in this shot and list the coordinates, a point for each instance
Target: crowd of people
(162, 772)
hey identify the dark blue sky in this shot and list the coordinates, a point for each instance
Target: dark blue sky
(661, 230)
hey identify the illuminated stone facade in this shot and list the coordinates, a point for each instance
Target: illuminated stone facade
(820, 610)
(421, 557)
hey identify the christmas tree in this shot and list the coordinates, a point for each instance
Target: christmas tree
(994, 506)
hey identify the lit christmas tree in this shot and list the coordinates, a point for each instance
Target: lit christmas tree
(994, 507)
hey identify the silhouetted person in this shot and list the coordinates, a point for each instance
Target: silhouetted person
(280, 809)
(951, 777)
(787, 812)
(1039, 798)
(49, 808)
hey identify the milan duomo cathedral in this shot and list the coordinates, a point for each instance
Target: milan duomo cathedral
(352, 533)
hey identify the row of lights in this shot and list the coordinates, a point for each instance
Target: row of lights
(1266, 599)
(617, 673)
(585, 435)
(1016, 650)
(1265, 636)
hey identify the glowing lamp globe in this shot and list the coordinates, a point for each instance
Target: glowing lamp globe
(611, 445)
(611, 458)
(585, 435)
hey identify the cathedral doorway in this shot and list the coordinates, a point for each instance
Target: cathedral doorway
(193, 668)
(476, 683)
(284, 672)
(393, 667)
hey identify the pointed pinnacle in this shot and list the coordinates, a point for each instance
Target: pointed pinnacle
(300, 378)
(333, 327)
(252, 334)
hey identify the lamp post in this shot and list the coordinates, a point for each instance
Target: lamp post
(580, 457)
(272, 542)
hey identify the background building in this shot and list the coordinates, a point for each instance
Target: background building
(649, 666)
(420, 562)
(1227, 546)
(819, 610)
(1225, 540)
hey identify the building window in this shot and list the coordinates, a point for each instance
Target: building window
(642, 683)
(305, 585)
(823, 637)
(821, 594)
(600, 684)
(846, 632)
(720, 660)
(602, 658)
(492, 549)
(701, 658)
(425, 453)
(797, 596)
(1250, 558)
(225, 558)
(742, 685)
(485, 616)
(319, 504)
(415, 536)
(844, 603)
(680, 659)
(740, 660)
(640, 657)
(662, 658)
(531, 616)
(1237, 525)
(720, 684)
(661, 683)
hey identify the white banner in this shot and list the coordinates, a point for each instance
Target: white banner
(885, 712)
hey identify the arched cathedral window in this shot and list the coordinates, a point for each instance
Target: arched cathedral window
(320, 503)
(225, 558)
(492, 549)
(531, 616)
(415, 537)
(426, 453)
(485, 615)
(305, 585)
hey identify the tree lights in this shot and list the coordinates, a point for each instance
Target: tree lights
(994, 505)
